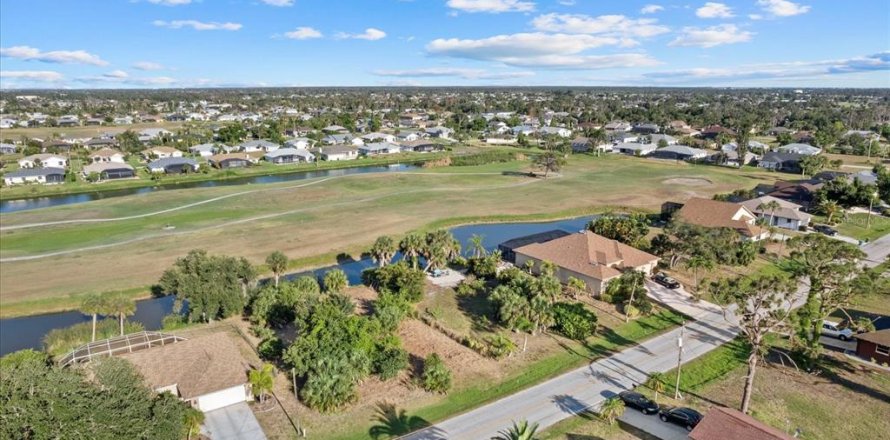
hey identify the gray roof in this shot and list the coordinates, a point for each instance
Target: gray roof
(287, 152)
(634, 146)
(800, 149)
(203, 147)
(99, 167)
(684, 150)
(262, 143)
(338, 149)
(31, 172)
(376, 146)
(168, 161)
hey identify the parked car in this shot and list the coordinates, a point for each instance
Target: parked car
(666, 281)
(835, 330)
(638, 401)
(825, 229)
(685, 417)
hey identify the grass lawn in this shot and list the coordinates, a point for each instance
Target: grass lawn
(319, 217)
(860, 227)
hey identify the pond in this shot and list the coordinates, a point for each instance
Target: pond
(28, 331)
(27, 204)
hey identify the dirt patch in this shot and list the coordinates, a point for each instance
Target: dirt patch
(422, 340)
(687, 181)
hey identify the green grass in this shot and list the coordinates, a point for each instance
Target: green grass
(62, 303)
(864, 227)
(478, 394)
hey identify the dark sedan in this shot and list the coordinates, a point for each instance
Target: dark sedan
(685, 417)
(666, 281)
(638, 401)
(825, 229)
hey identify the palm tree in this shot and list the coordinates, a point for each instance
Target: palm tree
(411, 247)
(122, 307)
(194, 418)
(830, 208)
(575, 286)
(770, 206)
(93, 304)
(655, 382)
(699, 262)
(611, 409)
(394, 423)
(261, 381)
(335, 281)
(277, 263)
(383, 250)
(519, 431)
(477, 246)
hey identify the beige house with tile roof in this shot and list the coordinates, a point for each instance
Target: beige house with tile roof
(589, 257)
(716, 214)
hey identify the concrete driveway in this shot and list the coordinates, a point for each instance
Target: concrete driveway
(234, 422)
(651, 424)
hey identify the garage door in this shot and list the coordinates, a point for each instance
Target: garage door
(219, 399)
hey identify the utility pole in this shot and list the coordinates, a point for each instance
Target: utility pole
(679, 360)
(871, 201)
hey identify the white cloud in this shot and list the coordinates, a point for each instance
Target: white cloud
(280, 3)
(198, 25)
(147, 65)
(430, 72)
(491, 6)
(608, 25)
(755, 16)
(54, 56)
(567, 2)
(303, 33)
(651, 9)
(800, 69)
(556, 51)
(121, 77)
(783, 8)
(714, 10)
(711, 36)
(116, 74)
(33, 75)
(170, 2)
(370, 34)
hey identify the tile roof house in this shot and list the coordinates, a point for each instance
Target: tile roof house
(230, 160)
(787, 216)
(716, 214)
(161, 152)
(801, 193)
(109, 170)
(107, 155)
(590, 257)
(729, 424)
(208, 371)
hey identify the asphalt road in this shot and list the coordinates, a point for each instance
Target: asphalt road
(587, 387)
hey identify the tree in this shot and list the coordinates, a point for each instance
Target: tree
(412, 246)
(193, 420)
(611, 409)
(383, 250)
(277, 263)
(335, 281)
(519, 431)
(770, 207)
(575, 287)
(436, 375)
(93, 305)
(626, 229)
(655, 382)
(836, 278)
(262, 381)
(812, 164)
(120, 305)
(829, 209)
(440, 247)
(214, 286)
(629, 290)
(699, 262)
(762, 306)
(477, 246)
(549, 162)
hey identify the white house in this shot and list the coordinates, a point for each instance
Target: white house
(634, 148)
(804, 149)
(300, 143)
(107, 155)
(259, 145)
(161, 152)
(379, 137)
(35, 175)
(557, 131)
(43, 161)
(787, 215)
(376, 148)
(339, 152)
(203, 150)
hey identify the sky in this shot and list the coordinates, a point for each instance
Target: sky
(230, 43)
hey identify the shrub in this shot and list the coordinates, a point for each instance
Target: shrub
(574, 321)
(400, 279)
(389, 361)
(270, 348)
(436, 375)
(492, 156)
(500, 346)
(60, 341)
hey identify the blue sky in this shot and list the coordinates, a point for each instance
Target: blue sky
(187, 43)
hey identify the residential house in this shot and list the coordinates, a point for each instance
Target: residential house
(409, 136)
(339, 152)
(780, 161)
(150, 134)
(100, 143)
(589, 257)
(864, 134)
(289, 155)
(712, 131)
(508, 247)
(48, 175)
(729, 424)
(335, 129)
(258, 145)
(122, 120)
(346, 138)
(801, 149)
(421, 146)
(300, 143)
(376, 148)
(618, 137)
(379, 137)
(160, 153)
(583, 144)
(787, 216)
(717, 214)
(618, 126)
(43, 160)
(555, 131)
(801, 193)
(440, 132)
(173, 165)
(203, 150)
(647, 128)
(634, 148)
(525, 130)
(68, 121)
(229, 160)
(107, 155)
(109, 170)
(7, 148)
(657, 138)
(874, 345)
(679, 152)
(208, 372)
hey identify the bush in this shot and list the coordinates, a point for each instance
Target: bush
(399, 279)
(174, 321)
(500, 346)
(60, 341)
(483, 158)
(436, 375)
(270, 348)
(390, 310)
(389, 361)
(574, 321)
(484, 267)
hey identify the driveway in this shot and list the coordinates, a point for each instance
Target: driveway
(651, 424)
(234, 422)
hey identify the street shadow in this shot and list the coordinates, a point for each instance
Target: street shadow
(829, 370)
(604, 377)
(569, 404)
(392, 422)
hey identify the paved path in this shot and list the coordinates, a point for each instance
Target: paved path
(564, 396)
(652, 425)
(234, 422)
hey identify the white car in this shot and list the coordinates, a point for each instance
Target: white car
(833, 329)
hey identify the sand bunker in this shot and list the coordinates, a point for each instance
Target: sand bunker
(688, 181)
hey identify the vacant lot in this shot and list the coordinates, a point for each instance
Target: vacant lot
(316, 217)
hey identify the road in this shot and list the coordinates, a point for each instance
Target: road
(564, 396)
